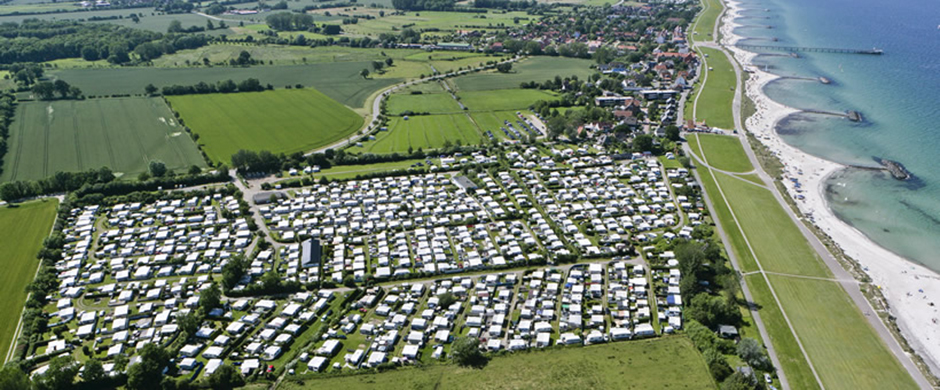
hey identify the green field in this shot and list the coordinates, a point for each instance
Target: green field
(342, 172)
(26, 225)
(715, 97)
(704, 27)
(424, 131)
(424, 20)
(844, 349)
(280, 121)
(536, 69)
(503, 100)
(286, 55)
(434, 103)
(339, 80)
(725, 153)
(124, 134)
(494, 120)
(666, 363)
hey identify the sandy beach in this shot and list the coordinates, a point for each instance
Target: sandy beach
(910, 289)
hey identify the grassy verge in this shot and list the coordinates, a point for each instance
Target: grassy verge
(725, 153)
(717, 93)
(26, 225)
(670, 362)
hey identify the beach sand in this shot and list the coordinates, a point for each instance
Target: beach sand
(911, 290)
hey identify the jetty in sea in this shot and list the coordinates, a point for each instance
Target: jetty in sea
(896, 169)
(794, 49)
(853, 115)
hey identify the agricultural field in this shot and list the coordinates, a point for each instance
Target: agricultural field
(281, 121)
(494, 120)
(536, 69)
(284, 55)
(342, 172)
(443, 21)
(714, 99)
(124, 134)
(434, 103)
(27, 225)
(340, 81)
(725, 153)
(499, 100)
(423, 131)
(840, 343)
(628, 365)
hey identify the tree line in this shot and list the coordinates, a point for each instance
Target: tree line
(226, 86)
(422, 5)
(7, 109)
(39, 41)
(289, 21)
(46, 90)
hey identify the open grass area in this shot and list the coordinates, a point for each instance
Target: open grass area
(795, 367)
(286, 55)
(342, 172)
(503, 100)
(536, 69)
(25, 225)
(494, 120)
(670, 362)
(434, 103)
(704, 27)
(716, 95)
(845, 350)
(725, 153)
(444, 22)
(124, 134)
(338, 80)
(424, 131)
(281, 121)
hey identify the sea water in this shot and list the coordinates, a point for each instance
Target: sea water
(898, 94)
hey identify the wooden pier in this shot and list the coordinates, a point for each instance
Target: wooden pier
(794, 49)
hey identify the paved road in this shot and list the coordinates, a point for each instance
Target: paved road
(845, 279)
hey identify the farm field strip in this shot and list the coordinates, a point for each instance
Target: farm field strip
(536, 69)
(27, 225)
(281, 121)
(424, 131)
(124, 134)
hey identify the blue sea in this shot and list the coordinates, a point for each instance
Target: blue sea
(898, 94)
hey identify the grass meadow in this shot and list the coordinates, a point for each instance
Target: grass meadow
(494, 120)
(536, 69)
(280, 121)
(502, 100)
(715, 97)
(725, 153)
(423, 131)
(669, 362)
(705, 22)
(844, 349)
(27, 225)
(124, 134)
(338, 80)
(434, 103)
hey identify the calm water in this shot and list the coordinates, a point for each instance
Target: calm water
(898, 93)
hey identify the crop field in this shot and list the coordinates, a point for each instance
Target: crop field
(628, 365)
(281, 121)
(434, 103)
(714, 99)
(424, 131)
(536, 69)
(26, 225)
(284, 55)
(124, 134)
(725, 153)
(499, 100)
(340, 80)
(443, 21)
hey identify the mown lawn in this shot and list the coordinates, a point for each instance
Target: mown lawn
(670, 362)
(705, 24)
(124, 134)
(536, 69)
(23, 229)
(280, 121)
(845, 350)
(717, 94)
(725, 153)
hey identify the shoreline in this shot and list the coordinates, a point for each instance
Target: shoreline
(908, 287)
